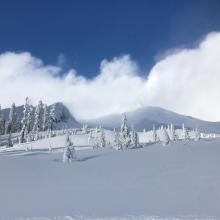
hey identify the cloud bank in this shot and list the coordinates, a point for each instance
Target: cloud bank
(186, 81)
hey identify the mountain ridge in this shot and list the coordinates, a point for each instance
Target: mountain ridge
(146, 117)
(142, 118)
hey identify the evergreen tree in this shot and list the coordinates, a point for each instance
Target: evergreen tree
(2, 123)
(164, 138)
(125, 138)
(117, 139)
(154, 134)
(12, 121)
(10, 143)
(135, 139)
(85, 129)
(26, 120)
(102, 141)
(45, 118)
(38, 120)
(69, 153)
(197, 135)
(30, 118)
(52, 117)
(185, 135)
(172, 133)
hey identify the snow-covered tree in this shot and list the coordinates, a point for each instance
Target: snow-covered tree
(30, 119)
(37, 120)
(12, 121)
(90, 137)
(10, 142)
(164, 138)
(52, 117)
(116, 141)
(197, 135)
(154, 134)
(125, 137)
(69, 153)
(45, 118)
(134, 139)
(185, 135)
(2, 123)
(96, 142)
(26, 120)
(102, 141)
(85, 129)
(172, 134)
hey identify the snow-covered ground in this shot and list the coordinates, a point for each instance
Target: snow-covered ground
(179, 181)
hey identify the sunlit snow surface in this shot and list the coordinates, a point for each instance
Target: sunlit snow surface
(177, 182)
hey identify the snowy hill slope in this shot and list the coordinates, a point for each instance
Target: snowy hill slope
(62, 115)
(146, 117)
(177, 180)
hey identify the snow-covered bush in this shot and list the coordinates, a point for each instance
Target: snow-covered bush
(69, 153)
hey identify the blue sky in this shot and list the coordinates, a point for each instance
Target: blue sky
(103, 57)
(86, 32)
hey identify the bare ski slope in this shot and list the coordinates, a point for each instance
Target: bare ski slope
(173, 181)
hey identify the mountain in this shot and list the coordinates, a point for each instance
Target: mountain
(63, 117)
(146, 117)
(142, 118)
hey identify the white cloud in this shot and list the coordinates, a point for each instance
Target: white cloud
(186, 81)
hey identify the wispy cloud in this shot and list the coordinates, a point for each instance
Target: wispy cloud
(186, 81)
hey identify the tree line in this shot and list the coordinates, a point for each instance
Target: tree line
(34, 119)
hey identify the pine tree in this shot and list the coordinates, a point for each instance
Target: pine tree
(52, 117)
(12, 121)
(154, 134)
(125, 138)
(69, 153)
(172, 133)
(117, 139)
(26, 120)
(10, 143)
(38, 120)
(85, 129)
(102, 141)
(135, 139)
(197, 135)
(185, 135)
(45, 118)
(2, 123)
(30, 118)
(164, 138)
